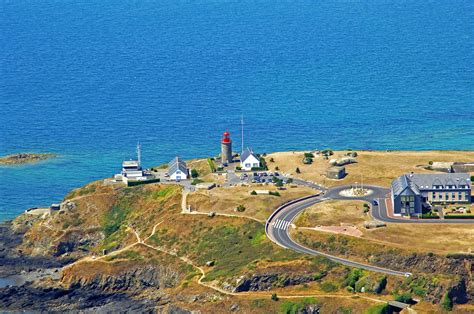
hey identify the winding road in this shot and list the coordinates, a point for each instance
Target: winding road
(278, 224)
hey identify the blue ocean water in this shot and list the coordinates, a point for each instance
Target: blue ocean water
(88, 79)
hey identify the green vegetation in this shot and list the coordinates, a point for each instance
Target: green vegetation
(136, 183)
(447, 303)
(293, 307)
(212, 165)
(298, 170)
(194, 173)
(240, 208)
(459, 217)
(231, 247)
(162, 193)
(274, 297)
(196, 181)
(308, 155)
(381, 284)
(114, 218)
(328, 286)
(274, 193)
(404, 298)
(352, 277)
(378, 309)
(327, 152)
(253, 192)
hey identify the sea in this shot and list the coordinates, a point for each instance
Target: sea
(87, 80)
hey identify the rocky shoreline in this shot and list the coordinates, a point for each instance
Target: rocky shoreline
(26, 280)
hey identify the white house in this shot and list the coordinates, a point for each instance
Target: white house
(249, 160)
(177, 170)
(131, 171)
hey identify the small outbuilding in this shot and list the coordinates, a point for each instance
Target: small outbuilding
(336, 172)
(177, 170)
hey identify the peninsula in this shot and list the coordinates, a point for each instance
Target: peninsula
(291, 232)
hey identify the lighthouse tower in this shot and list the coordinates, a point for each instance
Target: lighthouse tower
(226, 148)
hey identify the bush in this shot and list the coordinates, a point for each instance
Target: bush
(327, 152)
(276, 193)
(135, 183)
(196, 181)
(289, 181)
(447, 303)
(194, 173)
(405, 298)
(253, 193)
(328, 286)
(272, 160)
(238, 168)
(381, 284)
(308, 155)
(274, 297)
(240, 208)
(298, 170)
(430, 162)
(459, 217)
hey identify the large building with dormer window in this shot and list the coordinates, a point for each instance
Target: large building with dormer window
(412, 192)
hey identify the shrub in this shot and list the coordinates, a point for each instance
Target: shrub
(194, 173)
(272, 160)
(238, 168)
(328, 286)
(381, 284)
(308, 155)
(277, 168)
(327, 152)
(430, 162)
(253, 193)
(240, 208)
(405, 298)
(276, 193)
(289, 181)
(274, 297)
(279, 183)
(298, 170)
(447, 303)
(196, 181)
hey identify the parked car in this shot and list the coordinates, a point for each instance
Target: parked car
(375, 202)
(276, 174)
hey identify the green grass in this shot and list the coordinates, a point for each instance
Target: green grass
(231, 247)
(212, 166)
(378, 309)
(163, 192)
(293, 307)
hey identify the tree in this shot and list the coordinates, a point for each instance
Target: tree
(253, 193)
(274, 297)
(271, 159)
(447, 303)
(298, 170)
(240, 208)
(194, 173)
(289, 181)
(279, 184)
(277, 168)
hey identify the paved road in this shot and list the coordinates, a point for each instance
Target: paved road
(280, 221)
(278, 224)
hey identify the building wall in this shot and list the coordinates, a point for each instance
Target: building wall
(254, 162)
(226, 152)
(178, 173)
(456, 196)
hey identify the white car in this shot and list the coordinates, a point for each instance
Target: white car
(408, 274)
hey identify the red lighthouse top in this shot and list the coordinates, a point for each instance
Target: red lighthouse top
(226, 137)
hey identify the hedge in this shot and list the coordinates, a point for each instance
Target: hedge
(459, 217)
(135, 183)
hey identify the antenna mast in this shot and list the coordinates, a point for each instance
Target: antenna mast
(139, 154)
(242, 124)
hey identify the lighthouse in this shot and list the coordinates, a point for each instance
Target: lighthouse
(226, 148)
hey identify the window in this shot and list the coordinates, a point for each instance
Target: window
(247, 165)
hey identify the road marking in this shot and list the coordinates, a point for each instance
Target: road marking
(281, 224)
